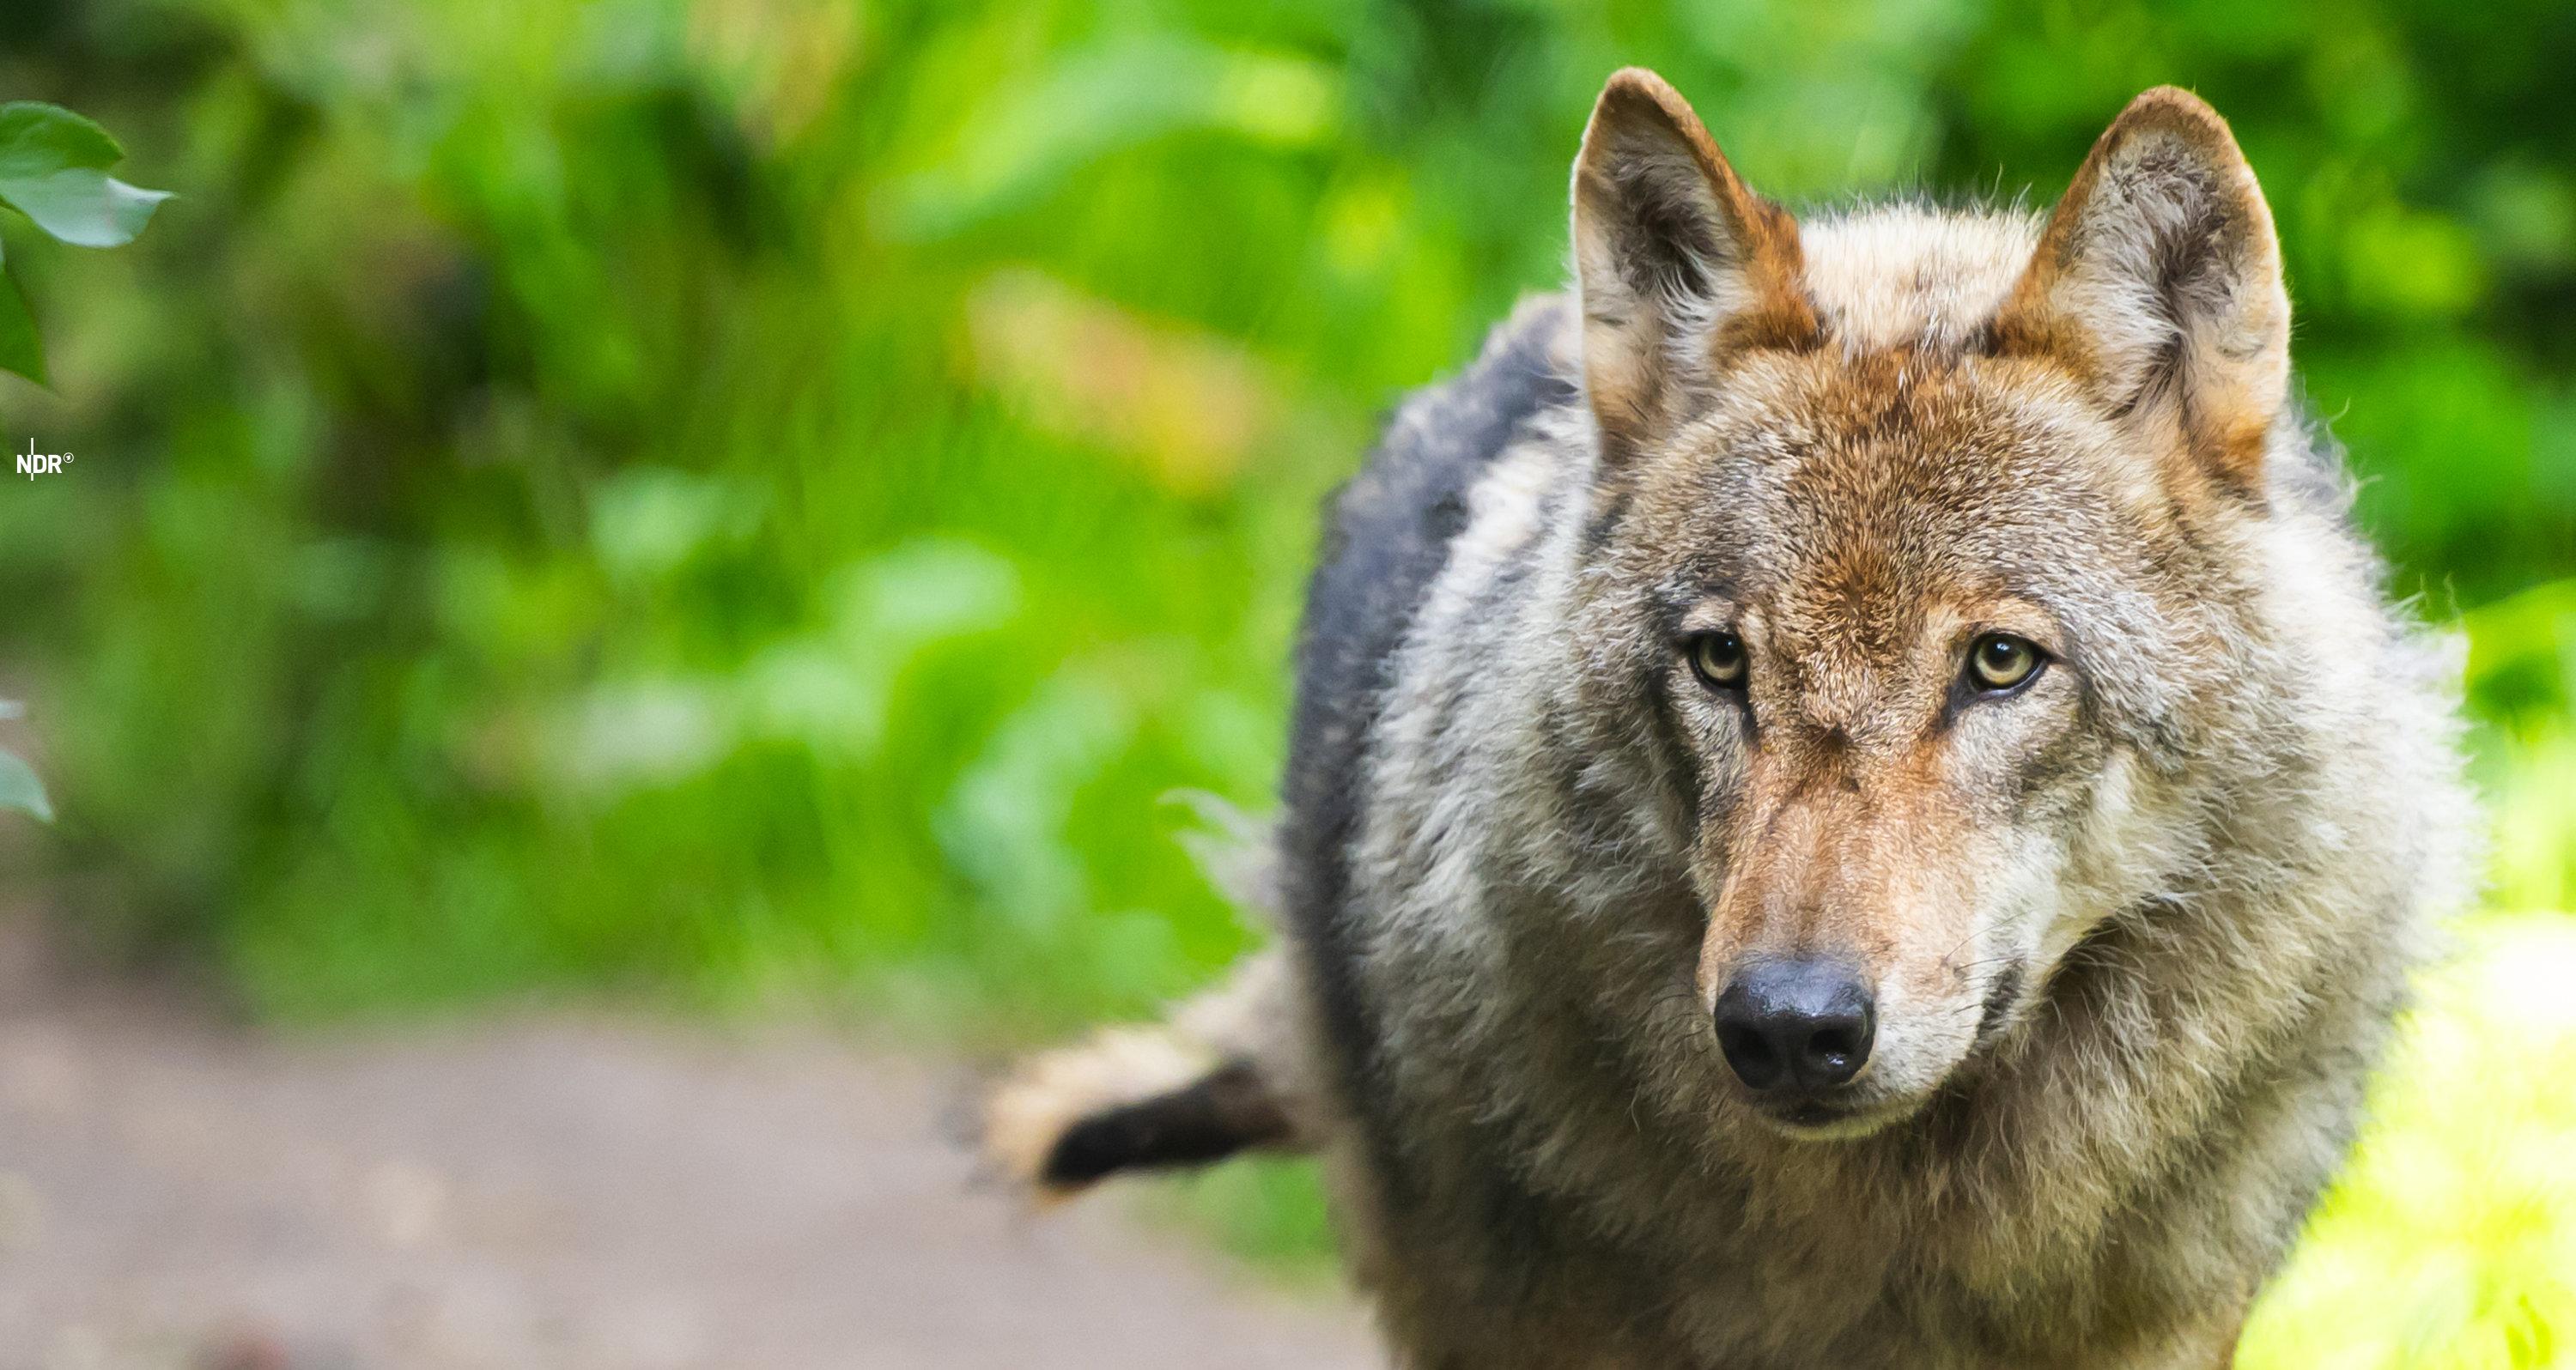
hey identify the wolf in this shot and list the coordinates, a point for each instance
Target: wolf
(1855, 798)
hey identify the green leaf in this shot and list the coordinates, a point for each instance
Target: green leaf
(39, 140)
(82, 206)
(53, 169)
(20, 789)
(20, 349)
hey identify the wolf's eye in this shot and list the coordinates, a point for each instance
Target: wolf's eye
(1719, 659)
(2000, 661)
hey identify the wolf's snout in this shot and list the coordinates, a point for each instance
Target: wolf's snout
(1796, 1025)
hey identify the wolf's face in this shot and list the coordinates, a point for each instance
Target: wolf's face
(1898, 557)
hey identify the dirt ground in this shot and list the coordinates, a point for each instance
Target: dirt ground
(551, 1194)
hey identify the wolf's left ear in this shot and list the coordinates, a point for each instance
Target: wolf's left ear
(2158, 280)
(1676, 260)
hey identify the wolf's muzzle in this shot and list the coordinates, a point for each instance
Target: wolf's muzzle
(1796, 1026)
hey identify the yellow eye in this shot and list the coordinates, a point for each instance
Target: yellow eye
(1719, 659)
(2000, 661)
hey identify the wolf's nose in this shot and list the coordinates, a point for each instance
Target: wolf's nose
(1795, 1024)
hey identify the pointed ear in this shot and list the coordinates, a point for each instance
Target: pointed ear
(1676, 261)
(2158, 280)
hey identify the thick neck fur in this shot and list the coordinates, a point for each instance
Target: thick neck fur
(1527, 850)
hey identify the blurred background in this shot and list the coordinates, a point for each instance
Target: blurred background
(754, 510)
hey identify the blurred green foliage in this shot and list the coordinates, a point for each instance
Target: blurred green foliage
(771, 497)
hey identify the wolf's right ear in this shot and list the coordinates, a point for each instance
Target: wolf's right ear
(1677, 262)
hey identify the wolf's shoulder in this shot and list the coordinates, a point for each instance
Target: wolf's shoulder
(1387, 530)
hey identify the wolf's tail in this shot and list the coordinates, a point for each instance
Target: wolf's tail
(1227, 1072)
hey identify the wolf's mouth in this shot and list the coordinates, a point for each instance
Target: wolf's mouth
(1819, 1120)
(1815, 1115)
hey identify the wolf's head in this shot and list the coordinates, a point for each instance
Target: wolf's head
(1918, 547)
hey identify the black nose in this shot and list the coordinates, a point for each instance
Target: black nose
(1796, 1024)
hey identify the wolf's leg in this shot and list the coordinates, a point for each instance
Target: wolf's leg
(1226, 1073)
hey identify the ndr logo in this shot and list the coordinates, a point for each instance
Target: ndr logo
(32, 463)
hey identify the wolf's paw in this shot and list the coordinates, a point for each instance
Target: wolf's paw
(1128, 1099)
